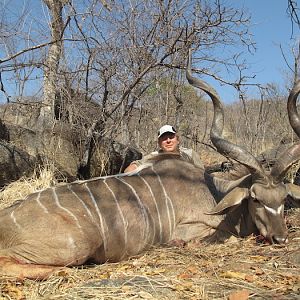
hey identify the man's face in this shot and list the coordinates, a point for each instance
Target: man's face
(168, 142)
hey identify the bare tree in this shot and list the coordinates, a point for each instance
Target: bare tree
(111, 63)
(57, 27)
(293, 12)
(153, 39)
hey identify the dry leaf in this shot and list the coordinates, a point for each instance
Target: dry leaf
(63, 273)
(268, 284)
(155, 271)
(258, 258)
(258, 271)
(184, 276)
(193, 269)
(126, 288)
(178, 288)
(124, 268)
(183, 286)
(104, 275)
(145, 295)
(249, 278)
(239, 295)
(235, 275)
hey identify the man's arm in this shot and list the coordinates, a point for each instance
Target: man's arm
(135, 164)
(131, 167)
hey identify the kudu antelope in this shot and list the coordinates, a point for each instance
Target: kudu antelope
(112, 218)
(106, 219)
(264, 192)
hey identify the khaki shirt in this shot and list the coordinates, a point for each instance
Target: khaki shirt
(187, 154)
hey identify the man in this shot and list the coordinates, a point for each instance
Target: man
(168, 141)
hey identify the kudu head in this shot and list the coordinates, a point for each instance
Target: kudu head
(265, 191)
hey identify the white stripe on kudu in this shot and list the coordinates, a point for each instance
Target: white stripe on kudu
(86, 208)
(101, 219)
(12, 215)
(40, 203)
(274, 211)
(82, 202)
(125, 223)
(156, 206)
(168, 203)
(65, 209)
(143, 210)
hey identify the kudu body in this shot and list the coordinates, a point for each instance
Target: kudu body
(107, 218)
(112, 218)
(256, 200)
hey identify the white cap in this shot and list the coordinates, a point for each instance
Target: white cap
(166, 128)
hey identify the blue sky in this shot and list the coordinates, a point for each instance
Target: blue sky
(271, 27)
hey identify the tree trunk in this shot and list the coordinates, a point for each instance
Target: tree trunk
(52, 62)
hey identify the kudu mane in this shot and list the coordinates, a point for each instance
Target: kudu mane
(164, 156)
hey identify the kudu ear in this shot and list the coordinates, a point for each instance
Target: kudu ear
(294, 191)
(224, 185)
(234, 197)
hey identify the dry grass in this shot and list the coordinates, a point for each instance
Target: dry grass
(19, 189)
(194, 272)
(290, 176)
(241, 268)
(211, 157)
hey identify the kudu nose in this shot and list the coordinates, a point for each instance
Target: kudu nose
(279, 239)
